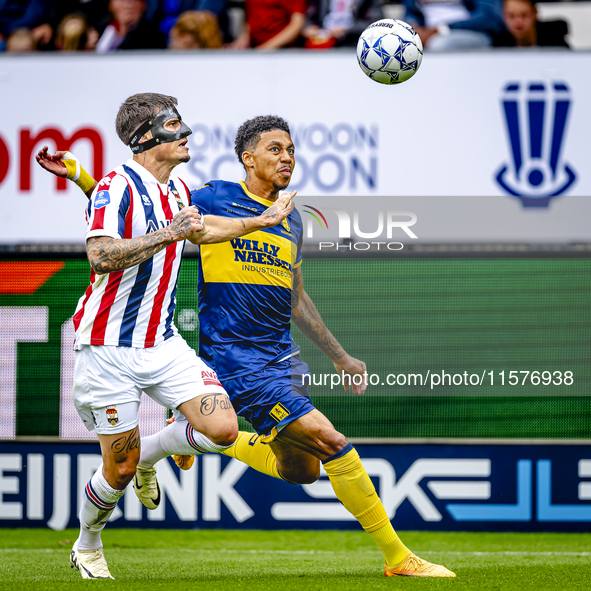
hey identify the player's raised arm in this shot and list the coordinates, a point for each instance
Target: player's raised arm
(221, 229)
(308, 320)
(66, 165)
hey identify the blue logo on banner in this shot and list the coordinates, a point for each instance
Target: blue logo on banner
(103, 198)
(536, 117)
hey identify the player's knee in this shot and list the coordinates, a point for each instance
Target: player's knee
(223, 434)
(123, 474)
(332, 441)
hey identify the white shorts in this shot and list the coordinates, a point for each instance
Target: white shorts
(109, 380)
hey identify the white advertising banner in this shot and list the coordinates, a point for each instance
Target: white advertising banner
(479, 147)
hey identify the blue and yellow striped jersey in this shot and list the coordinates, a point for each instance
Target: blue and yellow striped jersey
(245, 285)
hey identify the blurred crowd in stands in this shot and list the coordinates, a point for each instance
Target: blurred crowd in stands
(104, 26)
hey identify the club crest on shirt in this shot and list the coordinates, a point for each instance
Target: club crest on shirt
(112, 415)
(177, 198)
(285, 224)
(278, 412)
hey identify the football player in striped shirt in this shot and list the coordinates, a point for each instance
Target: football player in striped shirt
(139, 216)
(249, 290)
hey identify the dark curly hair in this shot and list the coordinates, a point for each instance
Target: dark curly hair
(249, 133)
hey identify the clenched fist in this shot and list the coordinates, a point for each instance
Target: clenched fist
(185, 222)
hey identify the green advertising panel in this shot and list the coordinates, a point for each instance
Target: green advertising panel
(454, 347)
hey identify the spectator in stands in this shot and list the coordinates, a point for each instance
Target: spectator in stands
(166, 12)
(128, 28)
(27, 14)
(525, 30)
(94, 12)
(447, 25)
(53, 13)
(339, 22)
(271, 24)
(195, 29)
(21, 41)
(74, 34)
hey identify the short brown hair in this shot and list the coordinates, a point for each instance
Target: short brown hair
(138, 109)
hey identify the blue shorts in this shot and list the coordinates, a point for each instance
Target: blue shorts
(271, 397)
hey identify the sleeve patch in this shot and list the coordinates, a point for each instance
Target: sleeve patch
(102, 199)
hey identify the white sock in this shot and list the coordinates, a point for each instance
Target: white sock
(152, 451)
(180, 439)
(99, 502)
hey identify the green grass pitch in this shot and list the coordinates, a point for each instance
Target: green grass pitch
(223, 560)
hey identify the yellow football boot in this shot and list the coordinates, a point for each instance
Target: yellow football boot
(184, 462)
(413, 566)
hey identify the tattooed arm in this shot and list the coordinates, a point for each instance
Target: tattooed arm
(221, 229)
(308, 320)
(108, 254)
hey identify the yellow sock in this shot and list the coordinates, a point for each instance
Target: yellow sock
(356, 491)
(249, 449)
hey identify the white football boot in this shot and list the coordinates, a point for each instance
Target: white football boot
(146, 487)
(91, 564)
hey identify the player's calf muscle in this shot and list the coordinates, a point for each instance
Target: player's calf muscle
(221, 432)
(305, 473)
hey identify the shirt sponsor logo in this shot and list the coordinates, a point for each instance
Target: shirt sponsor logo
(260, 253)
(210, 378)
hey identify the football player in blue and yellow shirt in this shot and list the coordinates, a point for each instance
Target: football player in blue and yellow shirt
(250, 289)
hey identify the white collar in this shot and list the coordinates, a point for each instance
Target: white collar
(144, 173)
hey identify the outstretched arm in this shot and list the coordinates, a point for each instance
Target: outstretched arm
(308, 320)
(221, 229)
(66, 165)
(107, 254)
(214, 229)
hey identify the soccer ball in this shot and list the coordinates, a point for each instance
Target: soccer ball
(389, 51)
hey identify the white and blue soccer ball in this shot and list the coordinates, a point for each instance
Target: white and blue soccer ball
(389, 51)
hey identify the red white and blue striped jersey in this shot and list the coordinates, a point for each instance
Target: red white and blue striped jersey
(133, 307)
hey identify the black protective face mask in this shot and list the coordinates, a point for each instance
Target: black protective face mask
(159, 134)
